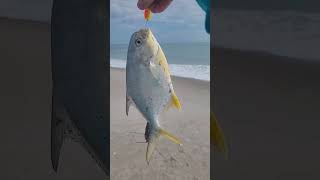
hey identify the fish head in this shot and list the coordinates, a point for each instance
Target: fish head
(143, 47)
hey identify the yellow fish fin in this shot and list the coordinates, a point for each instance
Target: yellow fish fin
(175, 101)
(169, 136)
(217, 137)
(153, 141)
(151, 147)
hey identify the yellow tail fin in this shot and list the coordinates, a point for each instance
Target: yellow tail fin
(175, 101)
(217, 137)
(153, 141)
(169, 136)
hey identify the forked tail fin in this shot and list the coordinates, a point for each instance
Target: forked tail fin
(169, 136)
(153, 141)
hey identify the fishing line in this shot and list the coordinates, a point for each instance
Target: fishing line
(136, 132)
(147, 16)
(134, 137)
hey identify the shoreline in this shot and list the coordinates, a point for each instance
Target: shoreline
(172, 76)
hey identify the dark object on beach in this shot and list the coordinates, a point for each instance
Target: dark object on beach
(80, 78)
(147, 132)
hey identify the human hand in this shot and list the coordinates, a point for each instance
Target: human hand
(156, 6)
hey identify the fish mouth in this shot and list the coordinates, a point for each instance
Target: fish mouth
(143, 32)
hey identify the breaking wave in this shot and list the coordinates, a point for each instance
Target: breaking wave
(200, 72)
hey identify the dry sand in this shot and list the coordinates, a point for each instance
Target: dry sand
(191, 125)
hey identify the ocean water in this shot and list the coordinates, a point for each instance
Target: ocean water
(289, 33)
(190, 60)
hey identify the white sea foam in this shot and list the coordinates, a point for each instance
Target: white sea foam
(201, 72)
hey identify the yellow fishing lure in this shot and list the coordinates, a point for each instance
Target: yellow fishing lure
(147, 14)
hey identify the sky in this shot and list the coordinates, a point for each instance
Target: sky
(183, 21)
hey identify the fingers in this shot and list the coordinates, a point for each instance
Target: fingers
(156, 6)
(159, 6)
(144, 4)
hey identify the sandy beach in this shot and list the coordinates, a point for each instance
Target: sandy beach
(191, 125)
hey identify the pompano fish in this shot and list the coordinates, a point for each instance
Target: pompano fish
(149, 85)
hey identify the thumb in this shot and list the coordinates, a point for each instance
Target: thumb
(144, 4)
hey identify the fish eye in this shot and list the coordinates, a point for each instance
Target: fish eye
(138, 42)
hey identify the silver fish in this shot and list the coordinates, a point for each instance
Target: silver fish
(149, 85)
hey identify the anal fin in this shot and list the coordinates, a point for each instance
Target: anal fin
(175, 101)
